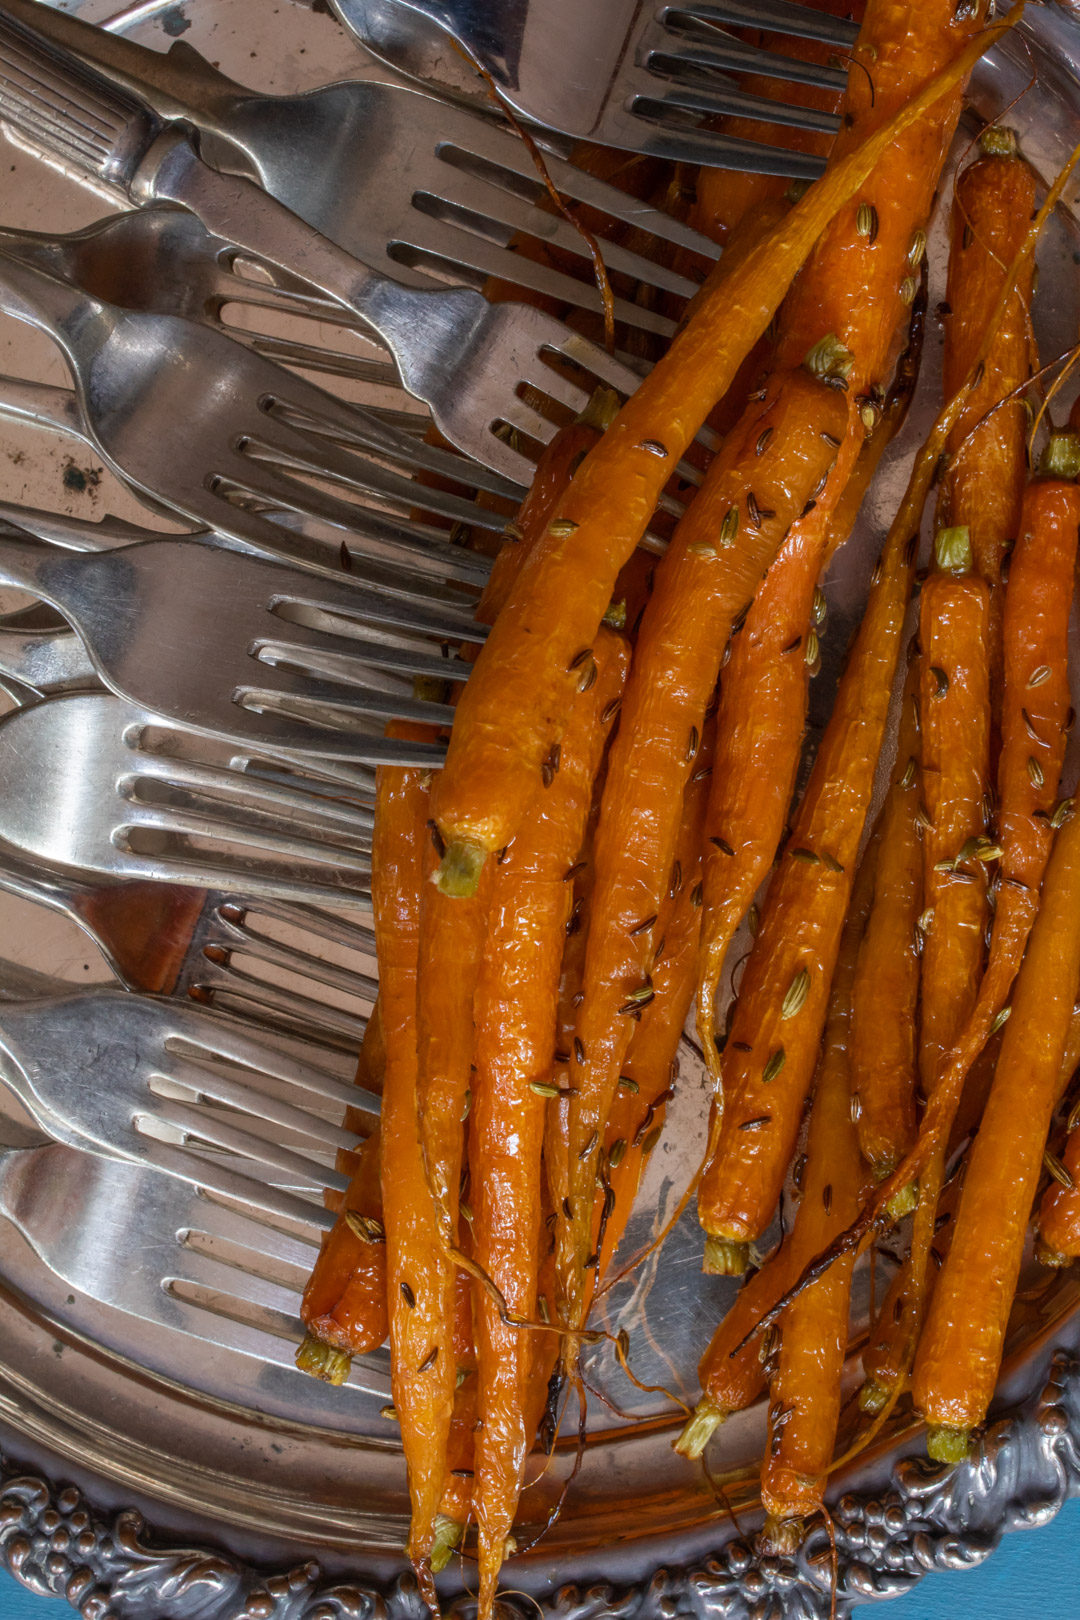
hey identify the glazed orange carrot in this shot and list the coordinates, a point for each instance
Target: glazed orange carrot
(772, 1048)
(1059, 1212)
(960, 1349)
(954, 712)
(514, 707)
(419, 1277)
(515, 1035)
(762, 709)
(805, 1389)
(651, 1066)
(700, 586)
(455, 1507)
(344, 1303)
(737, 1363)
(993, 203)
(885, 993)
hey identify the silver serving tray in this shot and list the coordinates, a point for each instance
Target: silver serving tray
(148, 1476)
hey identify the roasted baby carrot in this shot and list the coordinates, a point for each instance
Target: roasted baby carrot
(514, 707)
(419, 1277)
(805, 1389)
(701, 584)
(954, 712)
(516, 1001)
(455, 1507)
(1059, 1212)
(993, 203)
(960, 1349)
(885, 992)
(344, 1303)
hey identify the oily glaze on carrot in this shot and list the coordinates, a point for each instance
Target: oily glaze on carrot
(885, 993)
(702, 582)
(734, 1369)
(344, 1303)
(1059, 1212)
(960, 1350)
(515, 705)
(993, 203)
(455, 1508)
(515, 1035)
(418, 1275)
(805, 1389)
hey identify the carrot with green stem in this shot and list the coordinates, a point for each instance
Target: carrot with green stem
(516, 1005)
(805, 1389)
(960, 1349)
(763, 705)
(738, 1362)
(993, 203)
(885, 992)
(515, 705)
(418, 1274)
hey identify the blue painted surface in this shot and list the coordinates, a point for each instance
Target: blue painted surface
(1034, 1572)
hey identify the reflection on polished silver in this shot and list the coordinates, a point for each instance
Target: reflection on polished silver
(98, 786)
(465, 357)
(629, 73)
(1025, 1469)
(245, 649)
(105, 1070)
(407, 182)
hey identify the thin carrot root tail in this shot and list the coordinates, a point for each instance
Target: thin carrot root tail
(873, 1397)
(903, 1201)
(782, 1538)
(458, 873)
(697, 1433)
(724, 1257)
(448, 1533)
(1046, 1256)
(323, 1361)
(946, 1445)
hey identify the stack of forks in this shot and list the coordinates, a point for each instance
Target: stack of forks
(196, 717)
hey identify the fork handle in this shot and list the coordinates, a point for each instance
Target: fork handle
(40, 403)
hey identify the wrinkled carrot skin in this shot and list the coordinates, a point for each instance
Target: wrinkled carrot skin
(801, 928)
(700, 586)
(1059, 1212)
(457, 1493)
(651, 1063)
(344, 1303)
(885, 992)
(805, 1389)
(516, 1005)
(516, 702)
(960, 1349)
(954, 633)
(418, 1276)
(993, 204)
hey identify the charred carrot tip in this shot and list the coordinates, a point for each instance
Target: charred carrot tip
(945, 1445)
(1061, 458)
(725, 1258)
(323, 1361)
(1050, 1257)
(458, 873)
(903, 1202)
(697, 1433)
(952, 550)
(782, 1538)
(872, 1397)
(447, 1536)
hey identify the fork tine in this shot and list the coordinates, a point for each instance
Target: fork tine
(279, 1012)
(377, 606)
(209, 1127)
(327, 706)
(296, 803)
(247, 1099)
(205, 1041)
(231, 872)
(314, 969)
(781, 16)
(246, 1190)
(194, 824)
(489, 154)
(714, 150)
(516, 414)
(705, 45)
(323, 924)
(373, 655)
(454, 244)
(690, 97)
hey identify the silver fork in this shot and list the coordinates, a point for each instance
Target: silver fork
(466, 188)
(190, 1262)
(466, 358)
(101, 788)
(630, 73)
(244, 649)
(104, 1070)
